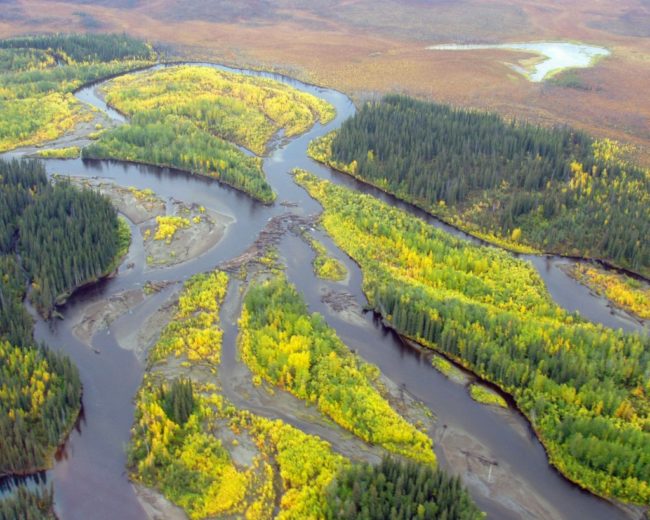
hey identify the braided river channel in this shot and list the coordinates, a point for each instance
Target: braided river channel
(494, 451)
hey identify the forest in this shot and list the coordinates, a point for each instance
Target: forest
(65, 237)
(73, 48)
(186, 433)
(39, 74)
(28, 505)
(194, 118)
(40, 395)
(176, 442)
(398, 490)
(53, 238)
(178, 143)
(61, 253)
(282, 343)
(583, 387)
(245, 110)
(519, 185)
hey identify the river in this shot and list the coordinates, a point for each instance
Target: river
(89, 477)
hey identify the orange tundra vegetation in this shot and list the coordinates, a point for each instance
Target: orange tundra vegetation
(376, 46)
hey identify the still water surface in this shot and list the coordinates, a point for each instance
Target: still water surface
(557, 55)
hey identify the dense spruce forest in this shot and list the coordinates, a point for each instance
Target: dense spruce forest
(584, 387)
(68, 238)
(71, 48)
(65, 237)
(38, 75)
(398, 490)
(15, 321)
(554, 189)
(55, 238)
(28, 504)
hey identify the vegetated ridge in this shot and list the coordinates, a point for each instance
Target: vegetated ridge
(191, 118)
(187, 435)
(583, 387)
(518, 185)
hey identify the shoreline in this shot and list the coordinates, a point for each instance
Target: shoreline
(485, 241)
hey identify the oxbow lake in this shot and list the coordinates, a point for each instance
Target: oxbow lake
(557, 56)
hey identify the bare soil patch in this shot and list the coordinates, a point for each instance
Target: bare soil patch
(136, 205)
(205, 230)
(99, 315)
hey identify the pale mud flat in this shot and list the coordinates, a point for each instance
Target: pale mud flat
(99, 315)
(469, 459)
(552, 56)
(344, 305)
(139, 330)
(206, 229)
(137, 209)
(156, 506)
(107, 313)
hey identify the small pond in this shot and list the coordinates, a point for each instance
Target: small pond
(555, 56)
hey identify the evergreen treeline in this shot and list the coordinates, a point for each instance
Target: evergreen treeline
(84, 47)
(177, 142)
(13, 60)
(178, 400)
(584, 387)
(398, 490)
(26, 504)
(20, 182)
(552, 189)
(40, 394)
(66, 237)
(56, 238)
(15, 322)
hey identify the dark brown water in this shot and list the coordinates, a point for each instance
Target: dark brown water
(90, 481)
